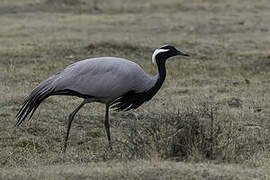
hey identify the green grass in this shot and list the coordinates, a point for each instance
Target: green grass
(210, 120)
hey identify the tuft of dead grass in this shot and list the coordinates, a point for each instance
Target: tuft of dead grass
(196, 133)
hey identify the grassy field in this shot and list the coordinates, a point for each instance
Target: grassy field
(210, 120)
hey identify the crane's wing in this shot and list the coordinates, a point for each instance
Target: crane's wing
(106, 78)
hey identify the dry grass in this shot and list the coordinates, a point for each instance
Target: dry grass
(210, 120)
(137, 170)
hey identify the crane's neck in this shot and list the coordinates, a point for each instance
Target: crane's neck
(159, 79)
(160, 76)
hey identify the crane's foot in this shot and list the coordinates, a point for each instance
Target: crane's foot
(110, 145)
(64, 148)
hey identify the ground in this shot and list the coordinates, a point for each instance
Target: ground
(210, 120)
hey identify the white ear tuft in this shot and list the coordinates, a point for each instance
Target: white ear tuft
(156, 52)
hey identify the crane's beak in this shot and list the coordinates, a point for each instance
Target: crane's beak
(182, 53)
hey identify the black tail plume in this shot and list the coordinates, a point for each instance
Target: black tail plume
(32, 102)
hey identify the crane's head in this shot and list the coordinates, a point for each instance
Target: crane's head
(164, 52)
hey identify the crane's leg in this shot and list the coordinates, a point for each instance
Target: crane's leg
(70, 119)
(107, 123)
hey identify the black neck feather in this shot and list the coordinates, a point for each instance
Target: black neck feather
(160, 79)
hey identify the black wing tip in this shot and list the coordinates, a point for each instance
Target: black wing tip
(18, 123)
(31, 104)
(21, 116)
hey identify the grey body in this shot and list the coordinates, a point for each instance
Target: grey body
(94, 77)
(119, 83)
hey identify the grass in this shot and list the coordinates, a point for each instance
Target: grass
(210, 120)
(138, 170)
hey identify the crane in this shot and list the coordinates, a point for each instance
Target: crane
(118, 83)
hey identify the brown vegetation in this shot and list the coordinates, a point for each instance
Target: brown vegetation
(210, 120)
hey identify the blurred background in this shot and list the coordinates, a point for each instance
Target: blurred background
(212, 112)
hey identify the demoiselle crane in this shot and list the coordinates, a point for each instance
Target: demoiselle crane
(118, 83)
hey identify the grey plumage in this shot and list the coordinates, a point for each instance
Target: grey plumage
(116, 82)
(107, 73)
